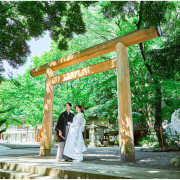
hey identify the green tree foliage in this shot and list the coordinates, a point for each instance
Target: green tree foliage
(22, 20)
(144, 14)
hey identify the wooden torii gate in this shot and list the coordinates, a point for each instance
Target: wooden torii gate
(119, 45)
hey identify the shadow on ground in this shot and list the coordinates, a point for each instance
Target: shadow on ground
(103, 155)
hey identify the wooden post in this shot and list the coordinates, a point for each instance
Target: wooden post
(45, 147)
(126, 134)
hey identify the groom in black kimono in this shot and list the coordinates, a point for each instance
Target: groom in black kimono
(62, 129)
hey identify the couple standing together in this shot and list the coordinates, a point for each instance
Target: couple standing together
(69, 131)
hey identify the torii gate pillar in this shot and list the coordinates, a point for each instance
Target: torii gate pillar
(45, 147)
(125, 123)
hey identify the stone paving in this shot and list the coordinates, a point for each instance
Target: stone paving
(104, 159)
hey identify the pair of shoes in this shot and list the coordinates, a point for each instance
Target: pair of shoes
(61, 160)
(77, 160)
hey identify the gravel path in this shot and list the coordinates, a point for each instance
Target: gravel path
(105, 155)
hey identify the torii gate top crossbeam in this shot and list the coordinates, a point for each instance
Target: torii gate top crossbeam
(129, 39)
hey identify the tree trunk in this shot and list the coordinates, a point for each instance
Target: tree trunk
(158, 111)
(158, 101)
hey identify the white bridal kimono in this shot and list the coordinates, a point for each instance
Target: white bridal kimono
(74, 145)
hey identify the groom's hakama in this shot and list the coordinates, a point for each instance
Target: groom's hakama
(61, 145)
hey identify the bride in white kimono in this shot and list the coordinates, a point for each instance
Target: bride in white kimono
(74, 145)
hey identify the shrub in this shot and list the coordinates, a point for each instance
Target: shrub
(148, 141)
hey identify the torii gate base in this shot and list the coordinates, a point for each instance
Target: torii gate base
(119, 45)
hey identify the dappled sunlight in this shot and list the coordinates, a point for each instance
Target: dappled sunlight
(99, 155)
(63, 60)
(118, 159)
(126, 137)
(153, 171)
(46, 107)
(147, 160)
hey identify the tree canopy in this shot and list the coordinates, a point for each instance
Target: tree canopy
(22, 20)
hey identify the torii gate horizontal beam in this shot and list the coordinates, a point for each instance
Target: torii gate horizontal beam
(87, 71)
(129, 39)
